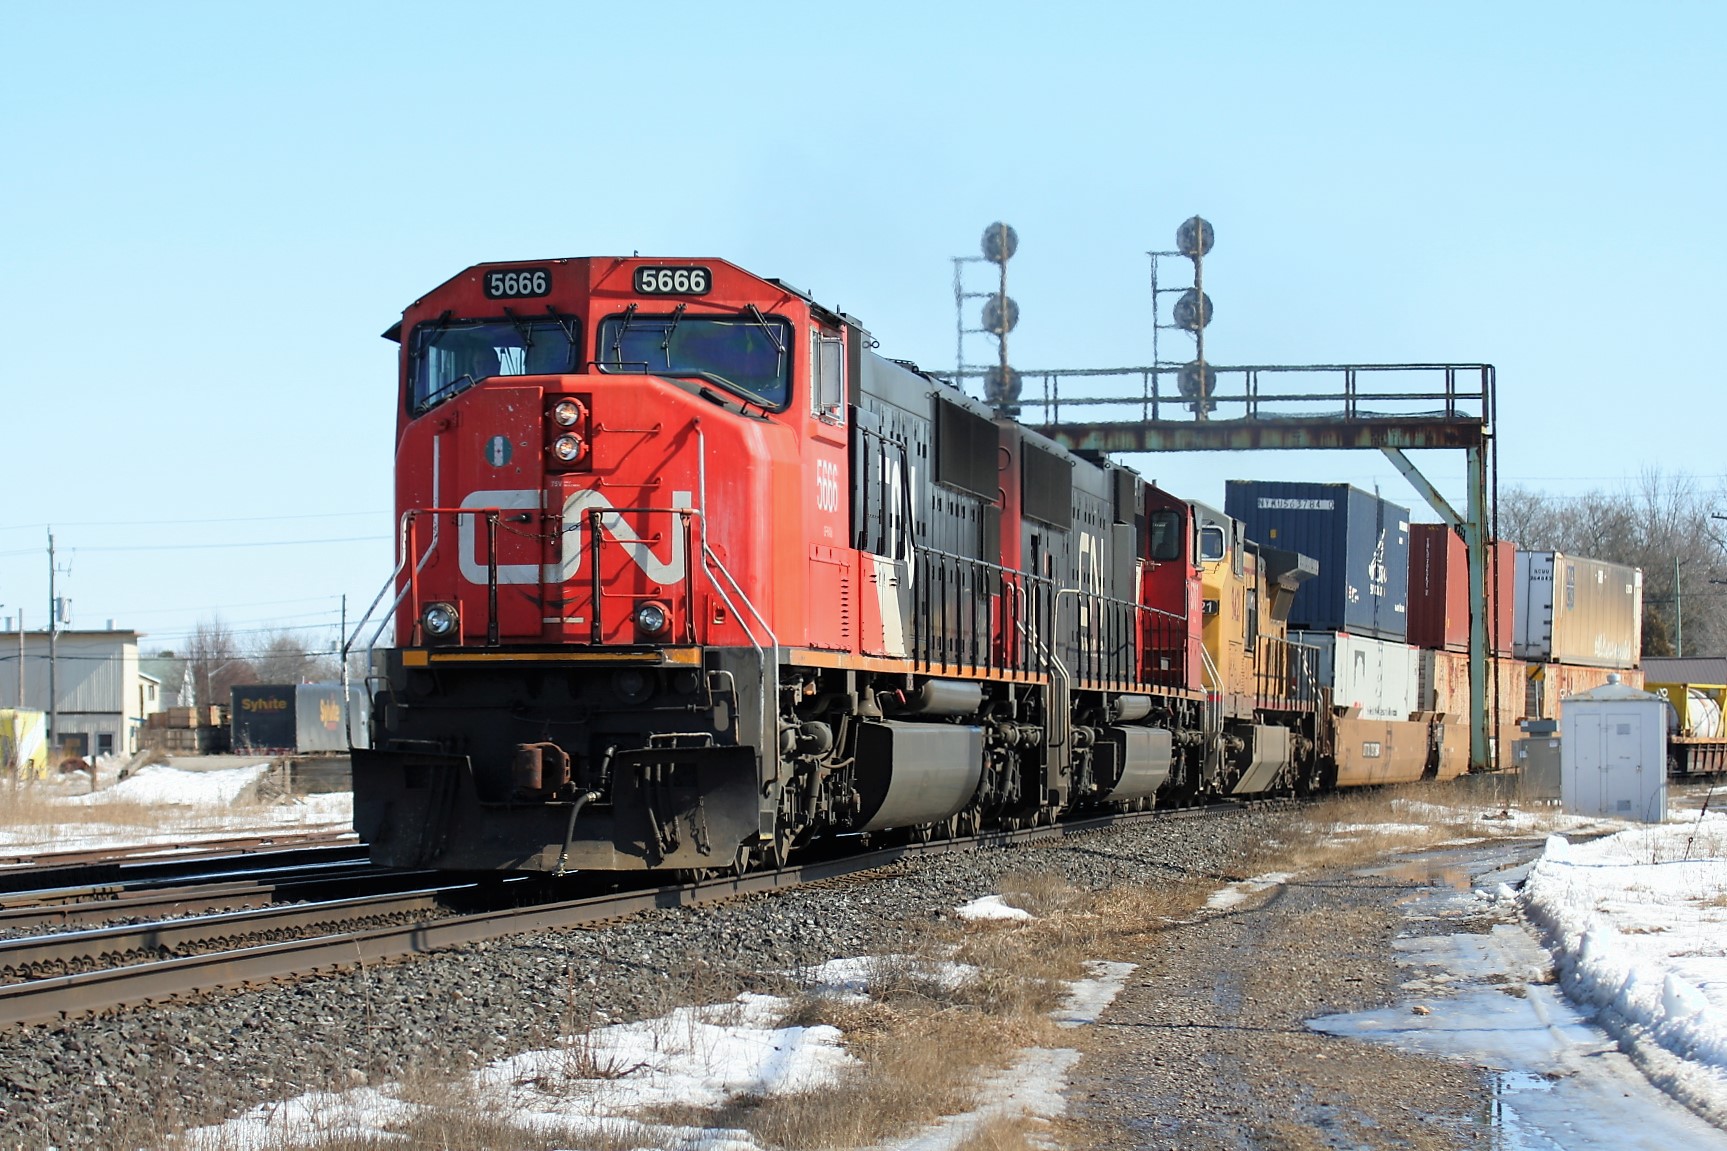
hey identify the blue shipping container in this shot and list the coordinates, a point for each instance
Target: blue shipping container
(1360, 541)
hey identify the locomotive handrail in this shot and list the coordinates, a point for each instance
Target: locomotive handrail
(1213, 710)
(771, 671)
(927, 559)
(596, 517)
(403, 550)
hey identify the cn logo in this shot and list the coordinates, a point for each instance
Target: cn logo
(827, 486)
(667, 525)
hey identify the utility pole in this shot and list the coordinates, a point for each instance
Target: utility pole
(20, 659)
(53, 656)
(1678, 612)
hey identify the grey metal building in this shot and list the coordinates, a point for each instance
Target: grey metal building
(103, 694)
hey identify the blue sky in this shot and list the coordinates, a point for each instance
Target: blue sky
(209, 212)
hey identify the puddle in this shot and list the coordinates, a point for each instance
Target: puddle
(1559, 1083)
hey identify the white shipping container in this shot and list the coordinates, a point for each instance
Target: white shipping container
(1570, 609)
(1379, 676)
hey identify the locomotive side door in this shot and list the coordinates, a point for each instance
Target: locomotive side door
(830, 602)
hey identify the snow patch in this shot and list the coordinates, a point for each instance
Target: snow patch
(991, 907)
(1237, 893)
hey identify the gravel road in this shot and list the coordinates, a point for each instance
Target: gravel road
(1205, 1049)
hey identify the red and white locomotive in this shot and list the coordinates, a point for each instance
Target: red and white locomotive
(688, 575)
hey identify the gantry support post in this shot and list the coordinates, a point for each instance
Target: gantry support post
(1481, 748)
(1474, 531)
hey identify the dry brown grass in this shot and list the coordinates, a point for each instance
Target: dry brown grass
(46, 811)
(1002, 1134)
(56, 802)
(1357, 827)
(925, 1035)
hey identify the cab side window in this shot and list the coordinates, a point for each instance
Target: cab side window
(827, 371)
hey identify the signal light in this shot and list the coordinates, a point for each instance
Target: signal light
(999, 243)
(1197, 382)
(1000, 314)
(1002, 386)
(1194, 238)
(1193, 310)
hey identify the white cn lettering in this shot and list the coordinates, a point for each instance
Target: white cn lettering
(576, 509)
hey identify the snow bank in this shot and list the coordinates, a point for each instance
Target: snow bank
(158, 785)
(1637, 922)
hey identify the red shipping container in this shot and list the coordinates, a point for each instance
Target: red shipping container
(1439, 590)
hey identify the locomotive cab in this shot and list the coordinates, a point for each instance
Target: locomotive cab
(590, 456)
(1263, 684)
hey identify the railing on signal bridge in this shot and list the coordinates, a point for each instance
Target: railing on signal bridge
(1268, 394)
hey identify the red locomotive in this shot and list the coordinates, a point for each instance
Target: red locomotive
(688, 575)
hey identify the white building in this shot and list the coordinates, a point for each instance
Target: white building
(103, 695)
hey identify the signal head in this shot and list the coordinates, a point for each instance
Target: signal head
(1000, 314)
(1194, 238)
(999, 243)
(1192, 311)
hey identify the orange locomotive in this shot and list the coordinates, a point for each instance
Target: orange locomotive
(688, 575)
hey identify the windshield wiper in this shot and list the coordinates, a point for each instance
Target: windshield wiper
(445, 390)
(671, 326)
(767, 328)
(618, 336)
(439, 327)
(524, 330)
(568, 327)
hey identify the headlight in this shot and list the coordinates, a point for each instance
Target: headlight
(652, 618)
(569, 449)
(567, 413)
(440, 620)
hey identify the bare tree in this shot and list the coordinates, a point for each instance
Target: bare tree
(284, 659)
(1661, 523)
(215, 662)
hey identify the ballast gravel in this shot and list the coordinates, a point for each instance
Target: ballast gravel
(114, 1081)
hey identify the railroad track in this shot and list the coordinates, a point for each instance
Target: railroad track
(67, 909)
(25, 862)
(70, 993)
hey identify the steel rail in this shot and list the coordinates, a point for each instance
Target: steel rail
(95, 879)
(14, 861)
(62, 997)
(187, 899)
(83, 949)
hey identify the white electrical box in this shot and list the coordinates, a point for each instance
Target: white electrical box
(1613, 753)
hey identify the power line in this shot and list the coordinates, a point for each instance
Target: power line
(226, 546)
(215, 520)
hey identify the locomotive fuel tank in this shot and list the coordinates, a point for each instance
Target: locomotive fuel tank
(916, 773)
(1137, 759)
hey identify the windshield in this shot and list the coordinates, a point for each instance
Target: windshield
(747, 355)
(451, 356)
